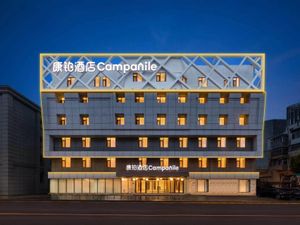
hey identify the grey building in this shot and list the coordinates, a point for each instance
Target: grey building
(22, 166)
(132, 124)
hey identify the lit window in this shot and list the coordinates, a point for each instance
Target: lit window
(97, 81)
(111, 142)
(224, 98)
(184, 79)
(120, 119)
(161, 119)
(244, 186)
(86, 162)
(142, 161)
(221, 142)
(86, 142)
(106, 82)
(241, 142)
(202, 162)
(183, 142)
(66, 142)
(143, 142)
(85, 119)
(60, 98)
(139, 119)
(182, 97)
(221, 162)
(243, 119)
(202, 82)
(240, 162)
(161, 98)
(83, 98)
(236, 82)
(202, 185)
(111, 162)
(164, 162)
(223, 120)
(181, 119)
(62, 119)
(202, 142)
(183, 162)
(164, 142)
(202, 99)
(202, 119)
(66, 162)
(139, 97)
(136, 77)
(120, 97)
(161, 77)
(244, 98)
(70, 81)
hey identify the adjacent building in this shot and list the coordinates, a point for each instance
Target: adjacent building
(140, 124)
(22, 167)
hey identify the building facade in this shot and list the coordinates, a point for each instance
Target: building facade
(142, 124)
(22, 168)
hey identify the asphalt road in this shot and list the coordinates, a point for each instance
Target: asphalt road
(24, 212)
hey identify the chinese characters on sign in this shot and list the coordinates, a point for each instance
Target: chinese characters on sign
(131, 167)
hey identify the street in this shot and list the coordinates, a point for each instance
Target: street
(13, 212)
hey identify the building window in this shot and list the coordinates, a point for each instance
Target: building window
(202, 186)
(241, 142)
(221, 142)
(85, 119)
(240, 162)
(202, 99)
(70, 81)
(202, 82)
(244, 98)
(161, 97)
(225, 82)
(86, 142)
(244, 186)
(224, 98)
(139, 98)
(243, 119)
(143, 142)
(106, 82)
(66, 162)
(62, 119)
(221, 162)
(183, 162)
(183, 142)
(136, 77)
(184, 79)
(86, 162)
(143, 161)
(161, 119)
(60, 98)
(111, 162)
(164, 142)
(139, 119)
(202, 162)
(235, 81)
(111, 142)
(164, 162)
(120, 97)
(202, 119)
(202, 142)
(120, 119)
(97, 81)
(181, 119)
(66, 142)
(182, 97)
(83, 98)
(223, 120)
(161, 77)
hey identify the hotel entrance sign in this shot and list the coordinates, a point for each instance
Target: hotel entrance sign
(151, 168)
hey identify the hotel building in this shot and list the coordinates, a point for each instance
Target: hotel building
(192, 125)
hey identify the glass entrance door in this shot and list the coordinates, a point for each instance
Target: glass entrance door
(159, 185)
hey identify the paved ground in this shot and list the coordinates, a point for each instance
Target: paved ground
(43, 212)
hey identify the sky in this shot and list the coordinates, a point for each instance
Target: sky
(29, 28)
